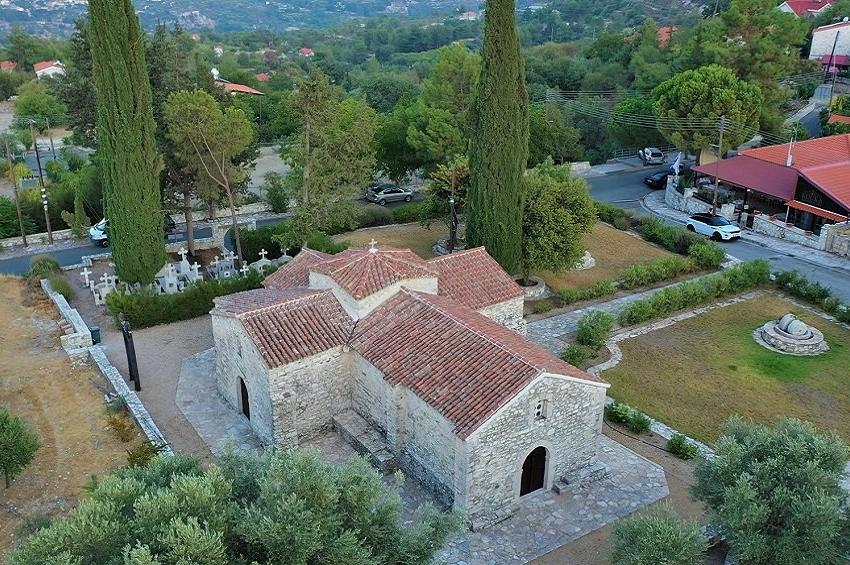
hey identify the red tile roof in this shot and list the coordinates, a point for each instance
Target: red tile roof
(828, 214)
(43, 65)
(474, 279)
(297, 272)
(235, 88)
(664, 34)
(306, 52)
(838, 119)
(288, 325)
(362, 272)
(262, 77)
(803, 7)
(8, 66)
(748, 172)
(463, 364)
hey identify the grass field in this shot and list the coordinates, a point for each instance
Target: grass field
(695, 374)
(407, 236)
(614, 250)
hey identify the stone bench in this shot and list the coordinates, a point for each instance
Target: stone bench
(365, 439)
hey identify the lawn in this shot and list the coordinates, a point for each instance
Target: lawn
(408, 236)
(695, 374)
(62, 403)
(614, 250)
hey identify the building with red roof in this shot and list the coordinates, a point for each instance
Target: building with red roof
(306, 52)
(804, 8)
(831, 45)
(46, 69)
(8, 66)
(838, 119)
(808, 181)
(234, 88)
(665, 34)
(426, 358)
(262, 77)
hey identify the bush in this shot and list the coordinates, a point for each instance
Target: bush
(262, 238)
(61, 285)
(664, 268)
(638, 422)
(707, 256)
(413, 212)
(319, 241)
(42, 266)
(672, 238)
(277, 194)
(541, 307)
(142, 454)
(144, 309)
(576, 355)
(9, 226)
(18, 444)
(679, 446)
(618, 412)
(568, 296)
(657, 536)
(797, 285)
(373, 215)
(593, 329)
(617, 217)
(122, 425)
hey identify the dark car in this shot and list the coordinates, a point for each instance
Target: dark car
(657, 180)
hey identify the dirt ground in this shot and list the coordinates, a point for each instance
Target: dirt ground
(160, 352)
(64, 405)
(595, 547)
(412, 236)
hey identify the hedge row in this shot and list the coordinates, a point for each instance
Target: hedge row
(689, 294)
(814, 293)
(144, 309)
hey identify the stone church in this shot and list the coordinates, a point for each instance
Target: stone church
(421, 365)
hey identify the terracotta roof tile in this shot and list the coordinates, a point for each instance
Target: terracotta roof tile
(803, 7)
(838, 119)
(43, 65)
(288, 325)
(362, 272)
(463, 364)
(296, 273)
(474, 279)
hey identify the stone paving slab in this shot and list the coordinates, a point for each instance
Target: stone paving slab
(214, 420)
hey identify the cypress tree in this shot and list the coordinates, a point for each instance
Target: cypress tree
(498, 148)
(125, 140)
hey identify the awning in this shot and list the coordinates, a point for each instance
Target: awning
(820, 212)
(761, 176)
(839, 60)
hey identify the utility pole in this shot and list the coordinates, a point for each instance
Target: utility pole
(717, 165)
(41, 181)
(452, 217)
(833, 69)
(50, 137)
(15, 188)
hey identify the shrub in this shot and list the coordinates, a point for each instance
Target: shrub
(320, 241)
(122, 425)
(42, 266)
(576, 355)
(672, 238)
(664, 268)
(600, 288)
(61, 285)
(541, 307)
(617, 217)
(373, 215)
(797, 285)
(144, 309)
(638, 422)
(618, 412)
(142, 454)
(277, 194)
(679, 446)
(262, 238)
(707, 256)
(593, 328)
(657, 536)
(9, 225)
(33, 523)
(413, 212)
(18, 444)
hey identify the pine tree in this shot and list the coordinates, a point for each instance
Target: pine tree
(498, 148)
(126, 143)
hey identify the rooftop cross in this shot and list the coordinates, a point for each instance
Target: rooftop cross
(373, 246)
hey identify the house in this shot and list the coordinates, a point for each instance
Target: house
(46, 69)
(234, 88)
(468, 16)
(196, 37)
(804, 8)
(262, 77)
(306, 52)
(831, 45)
(8, 66)
(421, 365)
(838, 119)
(664, 34)
(218, 50)
(806, 182)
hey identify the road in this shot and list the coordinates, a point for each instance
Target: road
(627, 189)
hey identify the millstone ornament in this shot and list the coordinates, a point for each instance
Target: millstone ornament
(791, 336)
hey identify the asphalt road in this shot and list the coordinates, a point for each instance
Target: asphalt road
(627, 189)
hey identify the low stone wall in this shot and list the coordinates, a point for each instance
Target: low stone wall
(197, 216)
(58, 235)
(688, 203)
(764, 224)
(200, 243)
(835, 238)
(79, 345)
(220, 229)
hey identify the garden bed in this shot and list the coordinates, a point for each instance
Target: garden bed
(695, 374)
(65, 407)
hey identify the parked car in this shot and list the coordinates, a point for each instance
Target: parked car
(714, 226)
(651, 156)
(384, 193)
(657, 180)
(99, 233)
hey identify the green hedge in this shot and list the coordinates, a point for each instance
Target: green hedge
(617, 217)
(734, 280)
(814, 293)
(672, 238)
(261, 238)
(567, 296)
(661, 269)
(144, 309)
(593, 329)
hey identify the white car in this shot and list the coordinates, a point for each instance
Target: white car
(714, 226)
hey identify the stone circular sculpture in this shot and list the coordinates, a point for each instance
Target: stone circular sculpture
(791, 336)
(586, 262)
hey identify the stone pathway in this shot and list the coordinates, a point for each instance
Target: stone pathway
(547, 520)
(218, 425)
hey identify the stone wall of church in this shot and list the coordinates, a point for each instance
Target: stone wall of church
(497, 450)
(237, 357)
(307, 394)
(508, 314)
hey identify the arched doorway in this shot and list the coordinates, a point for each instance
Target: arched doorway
(533, 471)
(244, 404)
